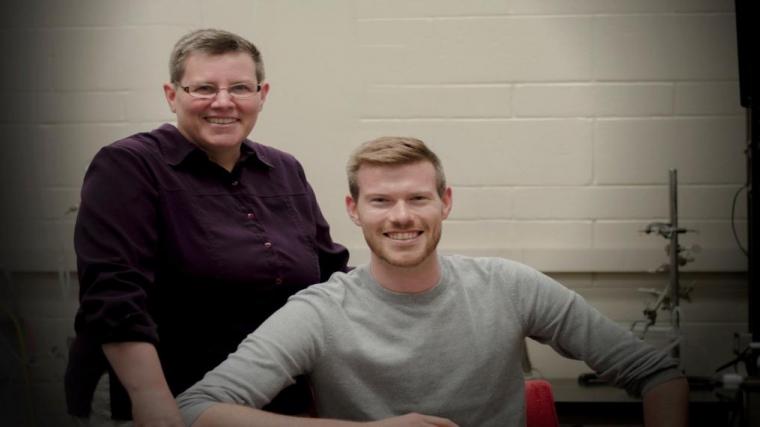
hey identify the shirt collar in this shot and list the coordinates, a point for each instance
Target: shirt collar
(176, 148)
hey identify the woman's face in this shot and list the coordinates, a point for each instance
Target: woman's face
(219, 124)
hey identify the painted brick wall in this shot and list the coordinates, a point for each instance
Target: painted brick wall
(557, 122)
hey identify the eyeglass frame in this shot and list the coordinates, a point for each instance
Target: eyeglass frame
(186, 89)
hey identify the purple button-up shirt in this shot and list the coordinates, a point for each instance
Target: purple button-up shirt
(175, 250)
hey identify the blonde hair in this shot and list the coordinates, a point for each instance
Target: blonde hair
(392, 151)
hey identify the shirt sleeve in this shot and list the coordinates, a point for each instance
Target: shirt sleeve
(116, 238)
(286, 345)
(560, 317)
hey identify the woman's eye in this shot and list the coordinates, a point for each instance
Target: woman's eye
(241, 89)
(204, 89)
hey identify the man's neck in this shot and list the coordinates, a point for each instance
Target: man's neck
(407, 280)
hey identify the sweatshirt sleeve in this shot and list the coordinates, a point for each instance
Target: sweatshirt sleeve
(561, 318)
(284, 346)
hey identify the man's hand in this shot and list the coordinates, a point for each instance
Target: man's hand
(155, 409)
(413, 420)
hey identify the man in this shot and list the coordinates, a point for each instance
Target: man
(415, 338)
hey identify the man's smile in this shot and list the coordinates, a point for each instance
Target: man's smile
(405, 235)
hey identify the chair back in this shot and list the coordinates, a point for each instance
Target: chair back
(539, 404)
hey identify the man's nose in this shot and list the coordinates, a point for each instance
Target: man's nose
(400, 213)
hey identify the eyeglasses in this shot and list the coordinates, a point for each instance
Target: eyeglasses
(209, 91)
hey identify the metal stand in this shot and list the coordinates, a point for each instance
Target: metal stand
(670, 297)
(675, 315)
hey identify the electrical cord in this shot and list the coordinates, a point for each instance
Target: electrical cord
(733, 223)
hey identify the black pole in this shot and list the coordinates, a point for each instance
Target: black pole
(753, 281)
(746, 34)
(752, 229)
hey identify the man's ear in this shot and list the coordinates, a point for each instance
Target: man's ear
(351, 210)
(447, 202)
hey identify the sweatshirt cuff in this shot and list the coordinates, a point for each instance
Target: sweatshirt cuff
(659, 378)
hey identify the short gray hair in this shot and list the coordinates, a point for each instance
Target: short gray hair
(211, 42)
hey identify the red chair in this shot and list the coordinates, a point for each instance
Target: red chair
(539, 404)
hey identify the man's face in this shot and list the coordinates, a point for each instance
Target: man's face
(400, 212)
(221, 123)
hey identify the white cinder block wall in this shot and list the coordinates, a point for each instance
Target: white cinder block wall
(557, 122)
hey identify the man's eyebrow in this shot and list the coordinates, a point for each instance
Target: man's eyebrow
(375, 195)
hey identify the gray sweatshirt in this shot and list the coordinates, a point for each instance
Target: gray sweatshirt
(454, 351)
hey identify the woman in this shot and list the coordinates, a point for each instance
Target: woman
(188, 237)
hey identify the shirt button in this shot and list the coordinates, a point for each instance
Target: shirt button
(234, 183)
(250, 215)
(268, 245)
(278, 281)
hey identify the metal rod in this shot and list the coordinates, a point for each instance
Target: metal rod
(674, 276)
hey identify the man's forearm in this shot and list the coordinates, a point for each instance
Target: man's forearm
(228, 415)
(667, 404)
